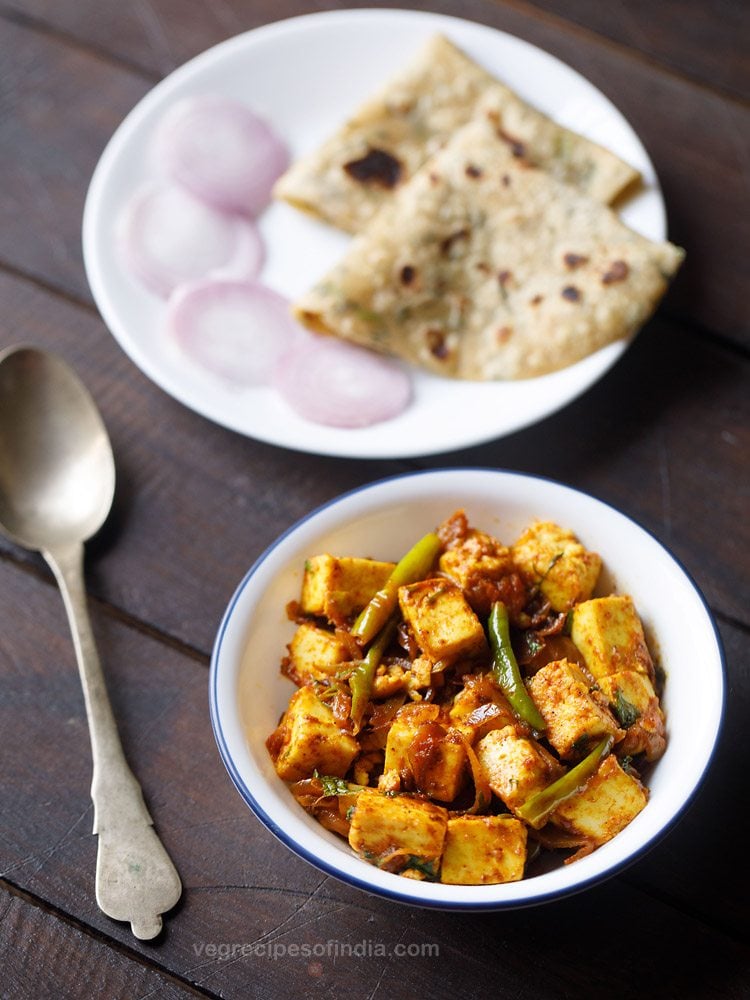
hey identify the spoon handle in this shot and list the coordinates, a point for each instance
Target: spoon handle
(135, 878)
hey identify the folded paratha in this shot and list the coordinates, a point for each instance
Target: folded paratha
(485, 267)
(358, 169)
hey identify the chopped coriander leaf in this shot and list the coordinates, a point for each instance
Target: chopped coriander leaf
(427, 868)
(625, 711)
(626, 763)
(336, 786)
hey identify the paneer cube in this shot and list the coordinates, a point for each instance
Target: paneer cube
(635, 705)
(424, 754)
(604, 806)
(398, 833)
(553, 559)
(516, 766)
(479, 707)
(483, 850)
(609, 634)
(478, 563)
(308, 739)
(476, 555)
(438, 762)
(443, 624)
(314, 654)
(576, 713)
(339, 587)
(403, 729)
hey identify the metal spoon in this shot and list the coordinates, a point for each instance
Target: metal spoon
(57, 480)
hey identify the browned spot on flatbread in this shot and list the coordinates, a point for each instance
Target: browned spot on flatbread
(574, 260)
(571, 293)
(377, 167)
(517, 148)
(436, 343)
(618, 271)
(504, 334)
(448, 245)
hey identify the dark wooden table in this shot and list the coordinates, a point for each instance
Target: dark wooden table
(664, 437)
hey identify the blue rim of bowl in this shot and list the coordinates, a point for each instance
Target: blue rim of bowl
(395, 895)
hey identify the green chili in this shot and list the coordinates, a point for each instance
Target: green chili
(537, 808)
(415, 565)
(506, 672)
(361, 678)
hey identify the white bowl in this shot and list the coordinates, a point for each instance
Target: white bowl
(382, 520)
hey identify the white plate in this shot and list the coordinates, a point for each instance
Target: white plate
(305, 75)
(248, 694)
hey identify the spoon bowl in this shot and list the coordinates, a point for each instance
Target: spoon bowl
(57, 480)
(57, 471)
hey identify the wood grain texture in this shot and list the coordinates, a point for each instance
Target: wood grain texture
(45, 957)
(243, 888)
(701, 39)
(706, 44)
(59, 108)
(58, 127)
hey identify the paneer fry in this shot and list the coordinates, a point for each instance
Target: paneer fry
(609, 634)
(516, 766)
(634, 703)
(483, 850)
(407, 722)
(335, 587)
(575, 713)
(604, 806)
(444, 625)
(479, 707)
(314, 654)
(552, 559)
(449, 704)
(398, 833)
(308, 739)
